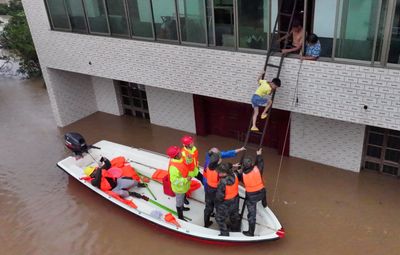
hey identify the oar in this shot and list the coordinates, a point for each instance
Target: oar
(135, 194)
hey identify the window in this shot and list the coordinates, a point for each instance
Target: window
(141, 19)
(224, 23)
(76, 15)
(117, 17)
(164, 12)
(58, 14)
(394, 52)
(253, 24)
(192, 21)
(324, 24)
(382, 151)
(134, 99)
(96, 15)
(210, 22)
(358, 29)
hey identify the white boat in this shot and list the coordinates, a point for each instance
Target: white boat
(145, 163)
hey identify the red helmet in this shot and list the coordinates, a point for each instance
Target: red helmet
(187, 140)
(172, 151)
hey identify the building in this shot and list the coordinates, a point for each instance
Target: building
(197, 72)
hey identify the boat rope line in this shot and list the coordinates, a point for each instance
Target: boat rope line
(294, 103)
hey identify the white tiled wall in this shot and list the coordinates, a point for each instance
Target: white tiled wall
(107, 98)
(171, 109)
(330, 142)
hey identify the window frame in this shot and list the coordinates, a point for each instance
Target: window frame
(85, 19)
(153, 38)
(51, 18)
(178, 40)
(205, 27)
(88, 23)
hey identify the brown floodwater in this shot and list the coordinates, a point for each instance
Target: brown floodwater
(43, 211)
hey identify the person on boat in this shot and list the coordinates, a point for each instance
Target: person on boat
(107, 180)
(251, 176)
(191, 156)
(179, 178)
(227, 199)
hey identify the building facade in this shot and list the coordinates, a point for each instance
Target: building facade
(192, 65)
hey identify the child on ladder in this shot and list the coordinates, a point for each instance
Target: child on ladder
(260, 99)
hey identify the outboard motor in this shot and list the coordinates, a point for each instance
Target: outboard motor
(75, 143)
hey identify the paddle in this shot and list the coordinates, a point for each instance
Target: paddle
(137, 195)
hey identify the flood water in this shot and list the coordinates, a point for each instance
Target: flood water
(43, 211)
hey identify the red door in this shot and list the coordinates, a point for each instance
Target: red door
(232, 119)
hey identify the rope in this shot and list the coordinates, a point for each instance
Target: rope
(295, 101)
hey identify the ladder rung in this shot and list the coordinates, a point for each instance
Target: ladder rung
(272, 65)
(256, 132)
(285, 14)
(283, 32)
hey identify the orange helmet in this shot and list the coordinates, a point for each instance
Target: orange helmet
(172, 151)
(187, 140)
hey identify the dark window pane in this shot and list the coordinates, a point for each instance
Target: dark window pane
(371, 166)
(76, 15)
(394, 132)
(125, 101)
(390, 170)
(357, 30)
(376, 139)
(140, 17)
(123, 83)
(377, 130)
(139, 114)
(136, 103)
(165, 19)
(128, 112)
(117, 17)
(143, 94)
(124, 91)
(224, 23)
(136, 92)
(147, 116)
(394, 53)
(145, 105)
(192, 20)
(95, 12)
(210, 22)
(373, 151)
(393, 142)
(253, 24)
(58, 14)
(392, 155)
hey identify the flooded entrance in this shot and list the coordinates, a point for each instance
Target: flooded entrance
(43, 211)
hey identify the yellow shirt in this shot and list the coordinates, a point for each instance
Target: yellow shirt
(264, 89)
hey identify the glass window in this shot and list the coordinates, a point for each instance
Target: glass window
(358, 28)
(58, 14)
(165, 19)
(224, 23)
(210, 22)
(192, 20)
(324, 24)
(117, 17)
(394, 52)
(253, 24)
(141, 18)
(96, 15)
(76, 15)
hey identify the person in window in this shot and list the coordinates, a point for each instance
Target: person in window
(295, 37)
(313, 48)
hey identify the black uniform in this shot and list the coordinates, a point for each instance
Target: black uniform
(252, 198)
(210, 191)
(227, 208)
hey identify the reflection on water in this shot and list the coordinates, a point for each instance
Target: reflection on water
(43, 211)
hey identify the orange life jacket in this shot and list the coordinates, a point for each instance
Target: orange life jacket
(180, 165)
(253, 181)
(231, 191)
(212, 178)
(104, 184)
(128, 171)
(195, 157)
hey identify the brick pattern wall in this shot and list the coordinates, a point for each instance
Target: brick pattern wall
(71, 95)
(107, 98)
(330, 90)
(330, 142)
(171, 109)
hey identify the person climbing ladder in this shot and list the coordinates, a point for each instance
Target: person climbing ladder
(259, 98)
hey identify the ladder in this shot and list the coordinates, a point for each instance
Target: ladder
(283, 13)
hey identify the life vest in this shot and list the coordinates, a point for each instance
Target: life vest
(231, 191)
(253, 181)
(212, 178)
(105, 185)
(180, 165)
(191, 157)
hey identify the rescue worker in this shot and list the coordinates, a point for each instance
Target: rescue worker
(210, 189)
(227, 200)
(251, 176)
(213, 159)
(106, 181)
(191, 156)
(180, 181)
